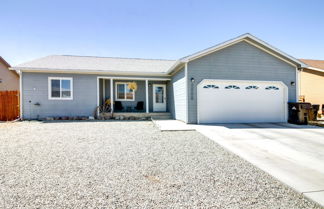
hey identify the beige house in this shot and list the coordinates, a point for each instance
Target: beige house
(9, 80)
(312, 82)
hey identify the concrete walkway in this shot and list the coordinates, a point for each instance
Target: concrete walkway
(173, 125)
(292, 154)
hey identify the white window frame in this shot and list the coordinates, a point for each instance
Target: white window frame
(116, 93)
(50, 88)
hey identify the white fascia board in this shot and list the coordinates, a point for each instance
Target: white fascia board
(134, 78)
(175, 66)
(211, 49)
(315, 69)
(276, 50)
(237, 40)
(47, 70)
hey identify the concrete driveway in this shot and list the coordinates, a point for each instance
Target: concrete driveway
(293, 154)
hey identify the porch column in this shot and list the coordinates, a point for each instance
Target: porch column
(147, 96)
(104, 90)
(112, 95)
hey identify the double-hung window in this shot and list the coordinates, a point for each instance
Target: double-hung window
(123, 93)
(60, 88)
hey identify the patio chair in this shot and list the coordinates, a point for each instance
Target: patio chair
(118, 106)
(139, 106)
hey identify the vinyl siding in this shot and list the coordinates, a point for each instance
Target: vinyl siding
(178, 96)
(9, 81)
(139, 94)
(311, 86)
(35, 90)
(241, 61)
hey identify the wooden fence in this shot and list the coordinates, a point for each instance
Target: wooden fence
(9, 105)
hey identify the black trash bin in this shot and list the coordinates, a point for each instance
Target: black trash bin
(314, 112)
(298, 112)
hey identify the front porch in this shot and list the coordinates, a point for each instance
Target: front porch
(147, 100)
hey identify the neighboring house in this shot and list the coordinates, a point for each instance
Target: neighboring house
(312, 82)
(9, 80)
(240, 80)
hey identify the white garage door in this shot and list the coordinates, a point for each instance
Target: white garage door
(225, 101)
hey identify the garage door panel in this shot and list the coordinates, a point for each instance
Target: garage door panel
(241, 105)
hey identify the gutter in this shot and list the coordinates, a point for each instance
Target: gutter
(86, 71)
(175, 66)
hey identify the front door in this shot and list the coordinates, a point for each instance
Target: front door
(159, 98)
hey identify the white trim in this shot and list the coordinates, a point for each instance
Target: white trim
(50, 88)
(116, 93)
(178, 69)
(20, 95)
(187, 91)
(236, 40)
(112, 95)
(173, 68)
(146, 96)
(247, 81)
(104, 89)
(98, 96)
(134, 78)
(209, 51)
(87, 71)
(165, 95)
(267, 51)
(316, 69)
(297, 82)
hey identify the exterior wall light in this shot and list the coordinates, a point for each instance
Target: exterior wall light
(192, 80)
(293, 83)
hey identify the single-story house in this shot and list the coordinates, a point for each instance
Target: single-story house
(312, 82)
(9, 80)
(241, 80)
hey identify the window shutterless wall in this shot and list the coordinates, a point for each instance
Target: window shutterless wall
(35, 91)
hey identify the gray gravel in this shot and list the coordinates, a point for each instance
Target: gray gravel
(128, 165)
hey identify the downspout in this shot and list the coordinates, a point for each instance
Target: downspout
(298, 82)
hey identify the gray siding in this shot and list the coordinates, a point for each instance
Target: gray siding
(241, 61)
(35, 90)
(177, 95)
(139, 94)
(104, 93)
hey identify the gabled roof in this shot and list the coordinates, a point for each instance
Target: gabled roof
(91, 64)
(245, 37)
(317, 65)
(3, 61)
(88, 64)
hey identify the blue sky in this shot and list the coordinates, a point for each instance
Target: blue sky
(155, 28)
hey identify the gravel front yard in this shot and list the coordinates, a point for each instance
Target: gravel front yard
(128, 165)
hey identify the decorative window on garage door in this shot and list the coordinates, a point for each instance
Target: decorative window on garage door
(251, 87)
(272, 88)
(232, 87)
(210, 87)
